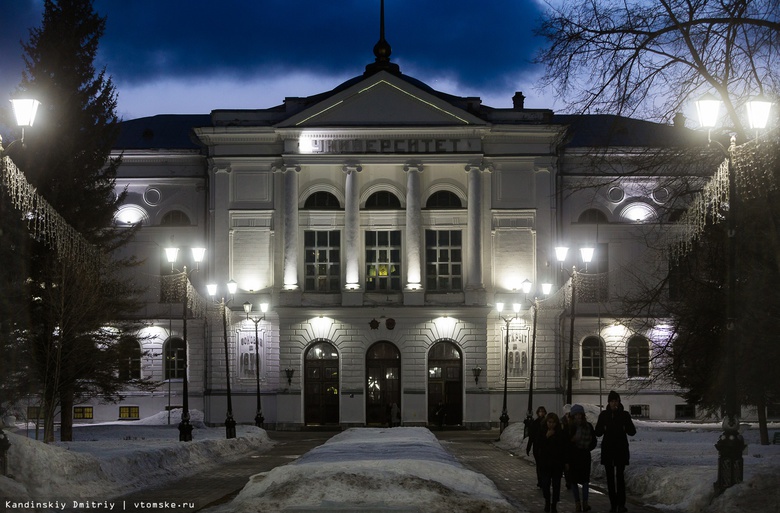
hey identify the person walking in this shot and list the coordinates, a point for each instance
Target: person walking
(582, 440)
(536, 428)
(395, 415)
(615, 425)
(552, 453)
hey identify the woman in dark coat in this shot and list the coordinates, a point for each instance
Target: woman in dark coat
(552, 454)
(535, 429)
(615, 425)
(582, 440)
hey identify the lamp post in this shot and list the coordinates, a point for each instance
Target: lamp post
(546, 288)
(731, 443)
(259, 419)
(504, 419)
(185, 428)
(586, 253)
(25, 110)
(232, 286)
(25, 116)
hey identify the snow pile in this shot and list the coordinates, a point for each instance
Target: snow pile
(112, 459)
(674, 465)
(372, 469)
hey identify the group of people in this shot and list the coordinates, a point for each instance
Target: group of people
(562, 447)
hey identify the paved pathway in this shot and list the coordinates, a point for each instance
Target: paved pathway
(514, 476)
(222, 484)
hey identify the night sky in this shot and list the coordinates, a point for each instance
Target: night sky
(192, 56)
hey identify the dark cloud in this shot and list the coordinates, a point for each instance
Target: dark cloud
(474, 42)
(480, 45)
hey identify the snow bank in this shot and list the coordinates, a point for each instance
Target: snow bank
(372, 469)
(674, 465)
(112, 459)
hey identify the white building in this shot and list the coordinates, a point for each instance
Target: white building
(383, 221)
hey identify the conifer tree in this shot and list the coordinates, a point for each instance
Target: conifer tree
(73, 331)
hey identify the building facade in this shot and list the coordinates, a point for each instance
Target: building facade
(383, 222)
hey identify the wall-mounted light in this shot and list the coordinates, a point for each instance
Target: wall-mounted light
(289, 373)
(476, 371)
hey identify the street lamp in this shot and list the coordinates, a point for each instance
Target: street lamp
(730, 444)
(504, 419)
(586, 253)
(185, 428)
(25, 116)
(232, 286)
(259, 419)
(546, 288)
(24, 112)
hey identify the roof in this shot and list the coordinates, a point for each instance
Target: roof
(602, 130)
(163, 131)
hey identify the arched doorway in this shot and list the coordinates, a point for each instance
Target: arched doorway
(445, 384)
(321, 385)
(383, 381)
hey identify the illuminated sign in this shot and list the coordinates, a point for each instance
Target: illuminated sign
(368, 146)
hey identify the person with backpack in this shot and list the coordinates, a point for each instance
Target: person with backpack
(582, 440)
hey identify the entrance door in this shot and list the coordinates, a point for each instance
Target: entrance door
(321, 396)
(445, 385)
(383, 382)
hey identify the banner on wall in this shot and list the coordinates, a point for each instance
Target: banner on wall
(247, 360)
(519, 355)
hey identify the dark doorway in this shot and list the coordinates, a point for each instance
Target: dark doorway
(321, 399)
(445, 385)
(383, 382)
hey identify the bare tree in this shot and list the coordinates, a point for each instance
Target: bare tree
(652, 58)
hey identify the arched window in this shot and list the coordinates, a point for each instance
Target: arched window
(593, 216)
(383, 200)
(175, 218)
(175, 354)
(592, 358)
(638, 357)
(129, 366)
(443, 199)
(322, 200)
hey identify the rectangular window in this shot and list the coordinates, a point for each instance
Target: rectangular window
(684, 411)
(639, 411)
(443, 260)
(129, 412)
(383, 261)
(322, 261)
(82, 412)
(175, 354)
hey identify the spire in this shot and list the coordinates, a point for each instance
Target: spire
(382, 49)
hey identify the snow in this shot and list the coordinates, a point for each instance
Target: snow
(372, 469)
(673, 466)
(112, 459)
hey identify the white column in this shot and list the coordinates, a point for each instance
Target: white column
(413, 227)
(474, 231)
(352, 226)
(290, 226)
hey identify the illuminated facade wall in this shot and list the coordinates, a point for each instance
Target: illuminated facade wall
(383, 221)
